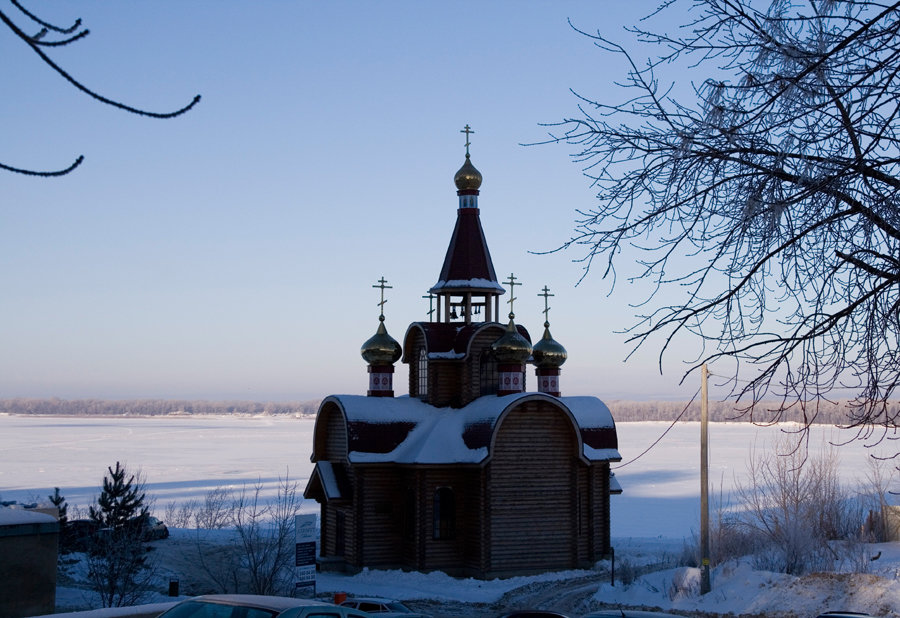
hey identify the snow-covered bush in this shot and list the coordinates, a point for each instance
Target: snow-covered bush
(261, 558)
(795, 505)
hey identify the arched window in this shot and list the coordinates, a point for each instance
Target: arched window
(422, 374)
(444, 513)
(488, 377)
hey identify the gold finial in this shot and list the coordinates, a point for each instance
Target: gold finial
(546, 294)
(468, 131)
(382, 283)
(511, 282)
(431, 298)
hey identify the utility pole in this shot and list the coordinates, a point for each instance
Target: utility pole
(704, 481)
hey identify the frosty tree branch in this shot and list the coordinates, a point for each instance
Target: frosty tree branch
(765, 203)
(73, 33)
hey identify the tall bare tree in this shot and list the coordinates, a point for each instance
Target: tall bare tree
(47, 36)
(764, 197)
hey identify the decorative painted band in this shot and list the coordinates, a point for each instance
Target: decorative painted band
(549, 384)
(511, 382)
(381, 382)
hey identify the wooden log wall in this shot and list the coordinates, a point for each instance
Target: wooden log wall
(379, 500)
(331, 445)
(471, 387)
(533, 487)
(461, 552)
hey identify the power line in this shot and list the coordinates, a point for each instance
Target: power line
(657, 441)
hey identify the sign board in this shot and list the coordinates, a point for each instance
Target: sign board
(306, 528)
(305, 561)
(306, 554)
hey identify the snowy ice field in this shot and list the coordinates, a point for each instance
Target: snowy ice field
(182, 458)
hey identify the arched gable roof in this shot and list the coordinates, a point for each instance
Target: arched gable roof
(405, 430)
(452, 341)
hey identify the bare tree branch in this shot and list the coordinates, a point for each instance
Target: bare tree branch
(36, 43)
(764, 205)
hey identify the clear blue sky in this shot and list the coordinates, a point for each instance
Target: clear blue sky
(231, 252)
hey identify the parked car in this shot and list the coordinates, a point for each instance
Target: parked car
(383, 608)
(533, 613)
(78, 534)
(152, 528)
(257, 606)
(629, 613)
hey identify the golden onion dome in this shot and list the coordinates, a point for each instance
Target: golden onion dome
(549, 353)
(467, 177)
(380, 348)
(512, 347)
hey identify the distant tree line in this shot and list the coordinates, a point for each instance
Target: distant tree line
(152, 407)
(822, 412)
(828, 413)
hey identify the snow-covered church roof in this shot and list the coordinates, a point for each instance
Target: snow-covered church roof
(408, 431)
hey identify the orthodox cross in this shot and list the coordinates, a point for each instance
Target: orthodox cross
(382, 284)
(511, 282)
(430, 298)
(468, 130)
(546, 294)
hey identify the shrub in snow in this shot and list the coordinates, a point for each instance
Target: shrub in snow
(627, 572)
(795, 505)
(261, 560)
(685, 583)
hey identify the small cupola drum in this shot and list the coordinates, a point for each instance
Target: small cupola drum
(381, 351)
(512, 351)
(548, 355)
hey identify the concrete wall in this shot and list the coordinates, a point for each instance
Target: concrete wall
(29, 545)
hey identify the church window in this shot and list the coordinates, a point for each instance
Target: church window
(444, 513)
(488, 377)
(422, 374)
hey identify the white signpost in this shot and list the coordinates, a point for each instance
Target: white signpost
(305, 526)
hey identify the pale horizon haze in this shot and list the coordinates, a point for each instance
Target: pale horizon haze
(231, 253)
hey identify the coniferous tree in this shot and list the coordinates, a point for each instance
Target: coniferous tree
(59, 501)
(117, 561)
(65, 538)
(122, 499)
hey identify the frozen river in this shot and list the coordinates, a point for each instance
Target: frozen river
(182, 458)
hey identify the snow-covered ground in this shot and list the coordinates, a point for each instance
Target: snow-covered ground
(181, 458)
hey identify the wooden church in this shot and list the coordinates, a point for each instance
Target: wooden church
(471, 473)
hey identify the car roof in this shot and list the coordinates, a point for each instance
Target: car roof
(629, 613)
(260, 601)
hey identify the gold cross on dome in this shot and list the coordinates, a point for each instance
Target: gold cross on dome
(468, 131)
(382, 283)
(546, 294)
(511, 282)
